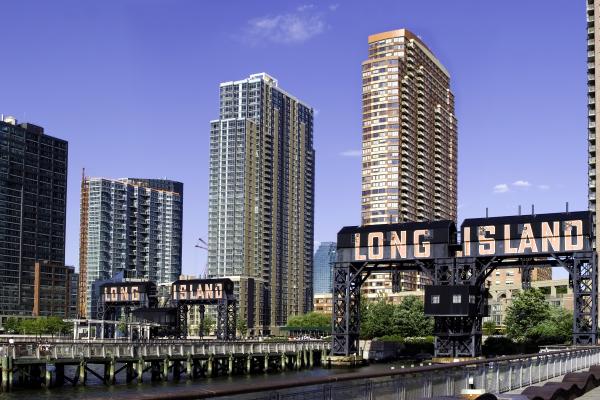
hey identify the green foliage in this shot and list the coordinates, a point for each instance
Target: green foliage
(403, 320)
(531, 319)
(558, 329)
(310, 321)
(528, 309)
(208, 324)
(378, 320)
(489, 328)
(12, 325)
(409, 318)
(37, 326)
(242, 326)
(500, 346)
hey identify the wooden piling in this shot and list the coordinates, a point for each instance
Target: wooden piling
(189, 370)
(140, 369)
(5, 374)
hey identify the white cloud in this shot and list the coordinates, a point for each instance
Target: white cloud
(305, 7)
(501, 188)
(334, 7)
(289, 28)
(351, 153)
(544, 187)
(521, 183)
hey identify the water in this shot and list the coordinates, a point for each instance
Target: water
(95, 389)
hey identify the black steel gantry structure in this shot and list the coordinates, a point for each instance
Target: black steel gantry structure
(457, 295)
(141, 299)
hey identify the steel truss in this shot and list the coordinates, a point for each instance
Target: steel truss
(461, 336)
(226, 319)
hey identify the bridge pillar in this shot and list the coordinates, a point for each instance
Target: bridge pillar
(165, 369)
(140, 369)
(283, 356)
(82, 371)
(347, 279)
(584, 275)
(10, 371)
(112, 365)
(249, 363)
(189, 367)
(298, 363)
(209, 365)
(5, 374)
(311, 358)
(266, 365)
(47, 376)
(230, 364)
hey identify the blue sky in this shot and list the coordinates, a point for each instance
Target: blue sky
(132, 85)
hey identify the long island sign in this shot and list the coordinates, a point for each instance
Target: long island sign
(519, 235)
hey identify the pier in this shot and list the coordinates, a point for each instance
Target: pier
(73, 362)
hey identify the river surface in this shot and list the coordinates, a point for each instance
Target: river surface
(95, 389)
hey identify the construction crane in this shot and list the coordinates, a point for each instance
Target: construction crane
(201, 244)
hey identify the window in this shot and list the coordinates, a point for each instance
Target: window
(472, 299)
(435, 299)
(457, 299)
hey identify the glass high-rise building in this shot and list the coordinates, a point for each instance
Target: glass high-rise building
(130, 226)
(409, 143)
(33, 195)
(593, 69)
(409, 146)
(262, 199)
(324, 258)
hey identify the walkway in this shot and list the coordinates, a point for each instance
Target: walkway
(593, 394)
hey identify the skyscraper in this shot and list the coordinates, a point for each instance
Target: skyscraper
(261, 200)
(33, 193)
(324, 258)
(592, 92)
(131, 226)
(409, 147)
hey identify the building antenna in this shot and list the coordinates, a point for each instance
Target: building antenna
(519, 209)
(532, 209)
(567, 206)
(486, 213)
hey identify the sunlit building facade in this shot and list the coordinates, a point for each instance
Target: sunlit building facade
(261, 200)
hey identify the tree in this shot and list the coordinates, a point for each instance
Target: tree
(242, 326)
(409, 320)
(378, 320)
(54, 326)
(310, 321)
(12, 325)
(489, 328)
(528, 309)
(207, 325)
(558, 329)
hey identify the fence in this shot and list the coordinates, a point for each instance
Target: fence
(496, 375)
(75, 349)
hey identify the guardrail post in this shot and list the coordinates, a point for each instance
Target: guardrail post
(82, 371)
(510, 373)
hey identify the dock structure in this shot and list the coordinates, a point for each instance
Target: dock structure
(110, 362)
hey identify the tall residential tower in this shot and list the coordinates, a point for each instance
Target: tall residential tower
(130, 226)
(33, 196)
(409, 147)
(409, 143)
(593, 69)
(262, 200)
